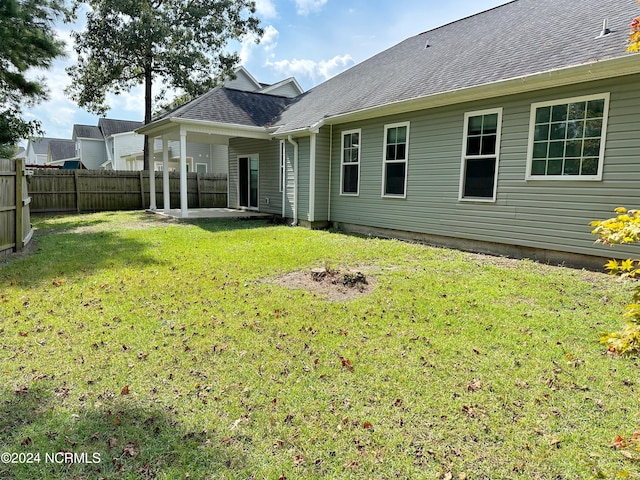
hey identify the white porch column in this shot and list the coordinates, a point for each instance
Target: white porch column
(184, 207)
(165, 174)
(152, 176)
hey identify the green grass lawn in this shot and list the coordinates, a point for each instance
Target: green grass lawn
(159, 349)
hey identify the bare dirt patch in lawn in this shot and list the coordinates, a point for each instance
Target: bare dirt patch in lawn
(336, 285)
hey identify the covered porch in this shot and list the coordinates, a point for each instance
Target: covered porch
(197, 131)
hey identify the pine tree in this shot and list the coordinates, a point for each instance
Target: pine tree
(28, 41)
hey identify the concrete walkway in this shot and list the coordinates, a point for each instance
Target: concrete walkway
(213, 213)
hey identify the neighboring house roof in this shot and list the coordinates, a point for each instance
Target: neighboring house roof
(224, 105)
(40, 146)
(515, 40)
(62, 150)
(110, 126)
(21, 153)
(87, 131)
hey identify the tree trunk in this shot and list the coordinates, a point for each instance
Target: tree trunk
(148, 83)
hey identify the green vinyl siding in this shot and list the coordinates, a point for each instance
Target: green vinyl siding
(289, 180)
(303, 177)
(540, 213)
(268, 168)
(323, 145)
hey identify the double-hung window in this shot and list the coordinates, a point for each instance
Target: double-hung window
(567, 138)
(350, 171)
(480, 154)
(396, 157)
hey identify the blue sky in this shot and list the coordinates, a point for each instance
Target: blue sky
(311, 40)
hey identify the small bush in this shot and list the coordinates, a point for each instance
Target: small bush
(622, 229)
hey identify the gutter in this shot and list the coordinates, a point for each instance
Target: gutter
(295, 180)
(154, 128)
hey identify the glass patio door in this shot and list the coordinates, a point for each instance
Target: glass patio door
(248, 181)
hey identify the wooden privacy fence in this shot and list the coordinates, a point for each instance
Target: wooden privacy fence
(101, 190)
(15, 218)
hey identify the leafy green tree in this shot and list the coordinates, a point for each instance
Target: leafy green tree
(28, 41)
(7, 150)
(179, 43)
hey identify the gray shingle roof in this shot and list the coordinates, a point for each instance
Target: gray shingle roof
(110, 126)
(520, 38)
(62, 149)
(237, 107)
(86, 131)
(41, 145)
(515, 40)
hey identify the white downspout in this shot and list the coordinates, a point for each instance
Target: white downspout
(312, 178)
(295, 180)
(283, 176)
(330, 171)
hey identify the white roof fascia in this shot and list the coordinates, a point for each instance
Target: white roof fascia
(122, 134)
(296, 132)
(203, 126)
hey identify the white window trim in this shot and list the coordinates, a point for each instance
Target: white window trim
(463, 164)
(206, 167)
(603, 138)
(385, 161)
(342, 163)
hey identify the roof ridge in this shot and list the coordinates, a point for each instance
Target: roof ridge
(448, 24)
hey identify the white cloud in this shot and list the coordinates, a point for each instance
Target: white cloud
(270, 38)
(268, 42)
(317, 71)
(305, 7)
(266, 9)
(131, 101)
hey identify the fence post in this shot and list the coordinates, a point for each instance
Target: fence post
(77, 189)
(19, 204)
(198, 189)
(142, 189)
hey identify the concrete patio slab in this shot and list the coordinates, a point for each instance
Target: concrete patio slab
(213, 213)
